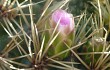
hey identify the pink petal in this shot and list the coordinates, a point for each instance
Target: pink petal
(66, 21)
(61, 15)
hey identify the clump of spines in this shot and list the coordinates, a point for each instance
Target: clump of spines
(7, 12)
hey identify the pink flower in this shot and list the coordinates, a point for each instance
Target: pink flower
(66, 21)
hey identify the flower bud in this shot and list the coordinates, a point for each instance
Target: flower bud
(64, 20)
(65, 25)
